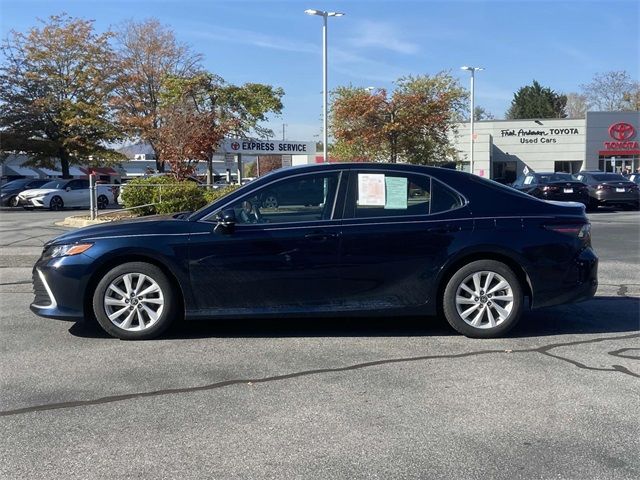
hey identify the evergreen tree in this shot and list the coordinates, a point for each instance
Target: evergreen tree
(536, 101)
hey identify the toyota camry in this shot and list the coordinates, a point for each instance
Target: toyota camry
(350, 239)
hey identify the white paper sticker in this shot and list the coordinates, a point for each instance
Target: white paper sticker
(371, 189)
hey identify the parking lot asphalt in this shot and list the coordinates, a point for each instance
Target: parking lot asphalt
(341, 398)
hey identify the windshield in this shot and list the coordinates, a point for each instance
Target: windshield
(610, 177)
(15, 184)
(58, 184)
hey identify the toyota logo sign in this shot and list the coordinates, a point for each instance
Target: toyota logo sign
(621, 131)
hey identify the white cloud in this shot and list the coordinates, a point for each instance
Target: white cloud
(381, 35)
(256, 39)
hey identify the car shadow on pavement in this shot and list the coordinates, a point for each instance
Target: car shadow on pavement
(600, 315)
(612, 314)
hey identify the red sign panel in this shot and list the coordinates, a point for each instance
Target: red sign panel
(621, 133)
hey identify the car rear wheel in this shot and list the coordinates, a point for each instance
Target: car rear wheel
(135, 301)
(56, 203)
(103, 202)
(483, 299)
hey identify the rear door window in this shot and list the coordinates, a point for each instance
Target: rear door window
(393, 194)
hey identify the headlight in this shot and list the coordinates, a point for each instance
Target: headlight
(69, 250)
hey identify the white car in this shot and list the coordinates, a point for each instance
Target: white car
(58, 194)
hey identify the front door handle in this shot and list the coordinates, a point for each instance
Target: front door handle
(444, 229)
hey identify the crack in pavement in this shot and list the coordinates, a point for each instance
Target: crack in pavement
(227, 383)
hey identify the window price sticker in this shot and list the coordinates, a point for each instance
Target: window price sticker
(371, 190)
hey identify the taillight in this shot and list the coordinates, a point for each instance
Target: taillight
(577, 230)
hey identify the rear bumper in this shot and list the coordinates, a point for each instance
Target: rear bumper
(566, 197)
(579, 284)
(612, 198)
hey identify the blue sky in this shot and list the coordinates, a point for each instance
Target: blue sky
(562, 44)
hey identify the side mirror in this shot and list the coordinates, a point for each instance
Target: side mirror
(226, 221)
(68, 189)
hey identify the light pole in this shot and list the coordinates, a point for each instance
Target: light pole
(473, 70)
(325, 130)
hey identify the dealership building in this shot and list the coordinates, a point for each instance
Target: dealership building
(503, 149)
(606, 141)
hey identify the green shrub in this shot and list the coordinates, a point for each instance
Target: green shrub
(211, 195)
(140, 191)
(180, 197)
(165, 195)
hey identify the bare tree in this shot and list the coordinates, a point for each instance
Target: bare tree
(608, 91)
(148, 52)
(577, 105)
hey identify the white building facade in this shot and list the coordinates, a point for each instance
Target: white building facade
(606, 141)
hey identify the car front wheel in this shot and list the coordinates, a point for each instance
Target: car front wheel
(483, 299)
(135, 301)
(56, 203)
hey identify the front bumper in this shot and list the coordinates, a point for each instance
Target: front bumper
(59, 286)
(36, 202)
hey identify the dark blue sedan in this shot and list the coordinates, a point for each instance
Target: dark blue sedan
(383, 239)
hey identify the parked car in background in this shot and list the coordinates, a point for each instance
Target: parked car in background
(375, 239)
(58, 194)
(634, 177)
(553, 186)
(10, 190)
(607, 188)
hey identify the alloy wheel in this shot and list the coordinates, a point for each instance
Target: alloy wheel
(102, 202)
(56, 203)
(133, 302)
(484, 299)
(270, 202)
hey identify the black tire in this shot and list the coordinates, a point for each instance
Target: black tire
(103, 202)
(450, 305)
(166, 317)
(56, 203)
(13, 201)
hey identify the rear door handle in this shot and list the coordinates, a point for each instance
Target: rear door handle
(321, 236)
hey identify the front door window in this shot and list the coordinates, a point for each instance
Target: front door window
(304, 198)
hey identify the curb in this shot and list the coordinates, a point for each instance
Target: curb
(79, 222)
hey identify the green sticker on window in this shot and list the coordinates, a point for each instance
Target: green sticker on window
(396, 193)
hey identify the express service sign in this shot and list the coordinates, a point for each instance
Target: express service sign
(268, 147)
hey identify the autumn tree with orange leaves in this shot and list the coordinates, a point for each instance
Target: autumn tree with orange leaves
(148, 53)
(57, 82)
(411, 124)
(199, 111)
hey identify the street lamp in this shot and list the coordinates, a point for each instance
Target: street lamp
(473, 70)
(325, 130)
